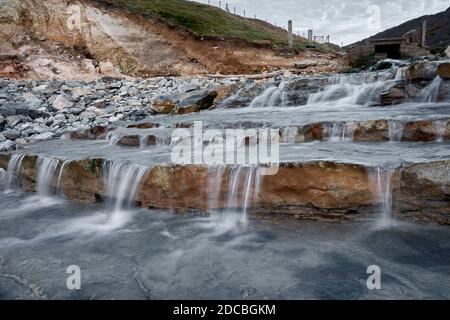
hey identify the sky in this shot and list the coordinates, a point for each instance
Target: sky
(346, 21)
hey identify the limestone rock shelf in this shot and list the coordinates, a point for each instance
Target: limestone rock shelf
(318, 190)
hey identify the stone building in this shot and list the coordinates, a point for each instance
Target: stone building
(410, 44)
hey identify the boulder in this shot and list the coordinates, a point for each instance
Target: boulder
(42, 137)
(8, 145)
(88, 115)
(424, 130)
(371, 130)
(98, 112)
(423, 70)
(303, 64)
(100, 103)
(80, 92)
(61, 103)
(48, 88)
(188, 88)
(11, 134)
(184, 103)
(393, 95)
(130, 141)
(94, 133)
(164, 104)
(8, 109)
(444, 70)
(196, 102)
(22, 108)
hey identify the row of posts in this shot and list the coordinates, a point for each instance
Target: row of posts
(311, 38)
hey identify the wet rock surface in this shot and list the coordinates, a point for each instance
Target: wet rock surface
(40, 110)
(318, 190)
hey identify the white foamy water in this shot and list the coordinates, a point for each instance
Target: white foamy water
(46, 175)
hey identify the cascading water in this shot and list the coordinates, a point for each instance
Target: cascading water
(13, 171)
(61, 171)
(46, 174)
(122, 184)
(384, 194)
(352, 89)
(440, 127)
(431, 92)
(243, 188)
(2, 177)
(271, 97)
(341, 132)
(289, 134)
(215, 180)
(396, 130)
(400, 74)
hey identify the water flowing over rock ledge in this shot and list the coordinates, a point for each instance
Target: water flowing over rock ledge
(318, 190)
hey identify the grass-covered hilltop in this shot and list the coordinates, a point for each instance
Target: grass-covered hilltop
(210, 21)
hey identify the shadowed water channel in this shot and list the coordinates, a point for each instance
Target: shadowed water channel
(155, 255)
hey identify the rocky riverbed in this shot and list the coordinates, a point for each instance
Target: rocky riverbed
(32, 111)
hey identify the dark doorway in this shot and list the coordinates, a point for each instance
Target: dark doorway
(391, 50)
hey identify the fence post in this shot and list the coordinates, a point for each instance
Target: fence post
(290, 37)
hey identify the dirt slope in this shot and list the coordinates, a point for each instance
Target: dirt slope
(83, 39)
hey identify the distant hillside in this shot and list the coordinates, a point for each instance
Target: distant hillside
(438, 30)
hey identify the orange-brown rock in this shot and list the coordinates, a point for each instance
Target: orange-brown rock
(317, 190)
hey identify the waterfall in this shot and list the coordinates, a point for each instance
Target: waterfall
(215, 179)
(61, 171)
(272, 97)
(122, 181)
(400, 74)
(46, 174)
(143, 141)
(13, 171)
(431, 92)
(2, 177)
(238, 187)
(440, 127)
(341, 132)
(384, 194)
(289, 134)
(396, 131)
(346, 93)
(253, 180)
(361, 78)
(113, 138)
(243, 189)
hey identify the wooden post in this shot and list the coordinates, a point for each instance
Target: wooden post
(424, 34)
(290, 37)
(310, 35)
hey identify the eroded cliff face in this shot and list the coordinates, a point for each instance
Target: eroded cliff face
(63, 39)
(70, 39)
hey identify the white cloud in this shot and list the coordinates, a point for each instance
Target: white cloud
(345, 20)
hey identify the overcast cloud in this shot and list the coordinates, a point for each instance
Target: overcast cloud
(346, 21)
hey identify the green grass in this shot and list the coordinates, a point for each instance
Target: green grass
(207, 20)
